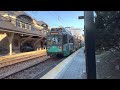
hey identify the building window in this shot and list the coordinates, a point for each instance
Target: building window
(25, 22)
(18, 23)
(65, 39)
(32, 28)
(23, 25)
(28, 26)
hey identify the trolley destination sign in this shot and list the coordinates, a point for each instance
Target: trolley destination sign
(54, 33)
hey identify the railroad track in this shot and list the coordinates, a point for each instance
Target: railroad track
(8, 62)
(23, 67)
(11, 66)
(35, 71)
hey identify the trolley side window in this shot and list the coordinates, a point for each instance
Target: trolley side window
(65, 39)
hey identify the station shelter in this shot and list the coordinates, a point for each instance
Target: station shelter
(17, 29)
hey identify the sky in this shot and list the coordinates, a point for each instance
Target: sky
(59, 18)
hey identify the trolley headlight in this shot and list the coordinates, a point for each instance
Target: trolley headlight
(48, 47)
(60, 47)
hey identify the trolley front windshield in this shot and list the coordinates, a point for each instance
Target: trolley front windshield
(54, 40)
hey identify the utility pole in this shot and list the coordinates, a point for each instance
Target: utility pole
(89, 44)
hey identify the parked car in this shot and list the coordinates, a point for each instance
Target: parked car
(26, 49)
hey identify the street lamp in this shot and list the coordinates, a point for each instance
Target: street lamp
(89, 44)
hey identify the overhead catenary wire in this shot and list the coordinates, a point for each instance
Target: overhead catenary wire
(36, 14)
(63, 20)
(58, 17)
(55, 16)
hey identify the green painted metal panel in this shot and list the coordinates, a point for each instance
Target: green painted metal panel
(66, 50)
(54, 49)
(66, 53)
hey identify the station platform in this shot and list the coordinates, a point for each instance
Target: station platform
(73, 67)
(8, 57)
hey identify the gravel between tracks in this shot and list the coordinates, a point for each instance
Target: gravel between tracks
(5, 71)
(30, 73)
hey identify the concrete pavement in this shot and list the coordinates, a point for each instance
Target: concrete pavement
(72, 67)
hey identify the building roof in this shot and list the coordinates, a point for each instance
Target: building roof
(41, 23)
(18, 13)
(6, 25)
(15, 13)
